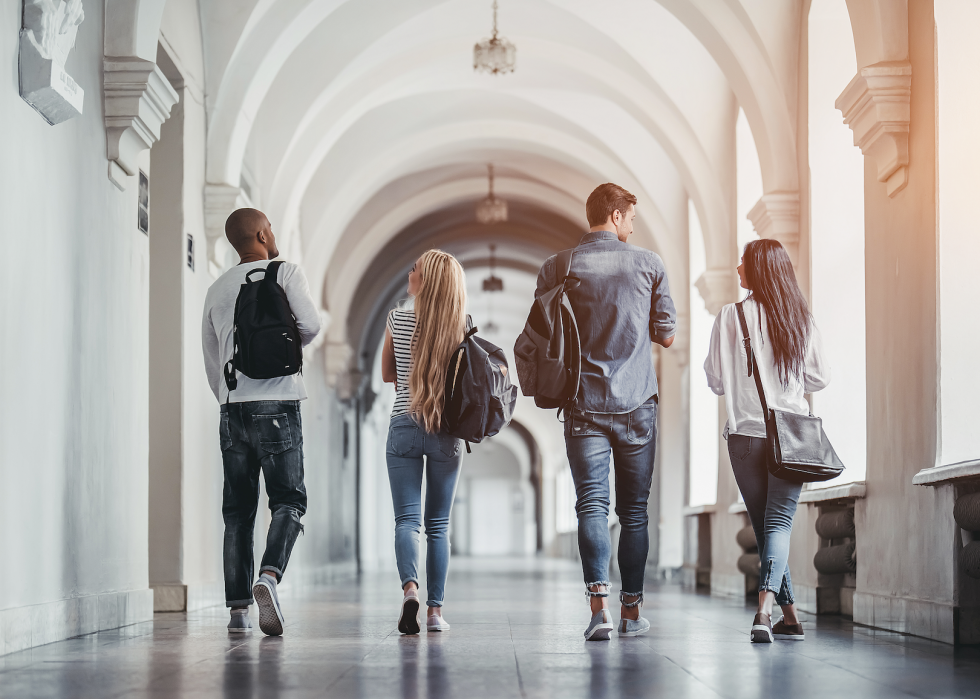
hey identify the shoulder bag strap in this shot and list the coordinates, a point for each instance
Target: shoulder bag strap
(753, 367)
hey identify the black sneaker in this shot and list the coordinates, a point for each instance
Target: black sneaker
(761, 629)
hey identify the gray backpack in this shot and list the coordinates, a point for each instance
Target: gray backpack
(548, 352)
(479, 398)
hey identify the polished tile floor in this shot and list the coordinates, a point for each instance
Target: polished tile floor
(516, 633)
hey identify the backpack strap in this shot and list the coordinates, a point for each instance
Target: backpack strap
(753, 368)
(272, 272)
(563, 265)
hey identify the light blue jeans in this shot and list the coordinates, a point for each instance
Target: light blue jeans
(771, 504)
(407, 445)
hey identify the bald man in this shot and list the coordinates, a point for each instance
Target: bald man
(261, 428)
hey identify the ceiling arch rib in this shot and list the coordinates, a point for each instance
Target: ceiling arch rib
(708, 200)
(382, 279)
(353, 263)
(736, 48)
(632, 100)
(406, 155)
(255, 62)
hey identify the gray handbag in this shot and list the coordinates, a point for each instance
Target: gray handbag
(797, 449)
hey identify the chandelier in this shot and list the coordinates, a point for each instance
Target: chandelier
(494, 55)
(493, 282)
(491, 209)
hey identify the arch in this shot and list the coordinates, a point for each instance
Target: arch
(737, 49)
(648, 106)
(239, 103)
(355, 262)
(250, 73)
(399, 160)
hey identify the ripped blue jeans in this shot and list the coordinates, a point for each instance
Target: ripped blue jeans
(266, 436)
(771, 504)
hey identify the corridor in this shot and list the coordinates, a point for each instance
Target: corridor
(516, 632)
(370, 132)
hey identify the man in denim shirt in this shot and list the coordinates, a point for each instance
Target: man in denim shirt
(622, 306)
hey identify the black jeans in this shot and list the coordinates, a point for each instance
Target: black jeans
(268, 436)
(631, 440)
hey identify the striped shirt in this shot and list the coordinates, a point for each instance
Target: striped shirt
(401, 325)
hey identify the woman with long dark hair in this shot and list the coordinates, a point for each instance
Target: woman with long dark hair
(419, 341)
(791, 363)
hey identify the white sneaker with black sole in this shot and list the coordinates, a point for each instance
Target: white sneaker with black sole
(270, 614)
(408, 620)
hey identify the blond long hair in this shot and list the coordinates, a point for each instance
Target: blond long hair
(440, 320)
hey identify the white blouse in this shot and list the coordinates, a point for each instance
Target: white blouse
(727, 371)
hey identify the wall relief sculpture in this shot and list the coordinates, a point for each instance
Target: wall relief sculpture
(47, 37)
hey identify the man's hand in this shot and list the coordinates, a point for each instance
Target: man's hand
(665, 343)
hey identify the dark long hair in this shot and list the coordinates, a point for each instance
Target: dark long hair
(772, 281)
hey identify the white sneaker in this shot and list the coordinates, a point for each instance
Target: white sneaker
(408, 620)
(629, 627)
(600, 627)
(270, 614)
(434, 622)
(239, 622)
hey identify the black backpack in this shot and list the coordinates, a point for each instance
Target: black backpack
(548, 352)
(479, 399)
(267, 341)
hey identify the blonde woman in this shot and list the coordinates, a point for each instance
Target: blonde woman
(418, 344)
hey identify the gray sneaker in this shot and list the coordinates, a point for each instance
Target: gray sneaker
(239, 622)
(600, 627)
(628, 627)
(270, 614)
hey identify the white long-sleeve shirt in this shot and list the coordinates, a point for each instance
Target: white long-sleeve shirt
(727, 370)
(217, 333)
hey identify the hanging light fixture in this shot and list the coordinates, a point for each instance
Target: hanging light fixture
(493, 282)
(491, 209)
(494, 55)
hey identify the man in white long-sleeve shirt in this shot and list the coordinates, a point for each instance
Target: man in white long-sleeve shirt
(261, 428)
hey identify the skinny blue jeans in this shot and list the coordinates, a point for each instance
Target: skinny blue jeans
(771, 504)
(407, 445)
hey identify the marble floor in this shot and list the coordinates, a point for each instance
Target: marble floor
(516, 633)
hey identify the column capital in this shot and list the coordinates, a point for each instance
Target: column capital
(219, 201)
(876, 105)
(777, 216)
(337, 358)
(138, 99)
(717, 287)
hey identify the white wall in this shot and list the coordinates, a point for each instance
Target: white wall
(748, 182)
(959, 237)
(837, 237)
(705, 430)
(73, 424)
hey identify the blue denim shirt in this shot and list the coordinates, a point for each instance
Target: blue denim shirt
(621, 304)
